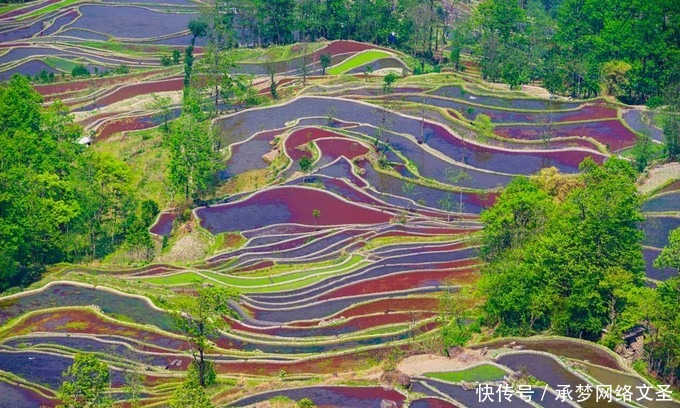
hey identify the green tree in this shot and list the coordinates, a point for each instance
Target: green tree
(388, 82)
(305, 164)
(516, 69)
(642, 152)
(80, 71)
(368, 70)
(87, 381)
(446, 203)
(58, 200)
(484, 125)
(634, 54)
(277, 20)
(188, 65)
(245, 95)
(554, 75)
(520, 213)
(161, 105)
(670, 255)
(194, 159)
(199, 318)
(460, 37)
(615, 75)
(215, 74)
(197, 29)
(306, 403)
(596, 231)
(106, 199)
(138, 239)
(565, 264)
(149, 211)
(502, 25)
(454, 310)
(671, 132)
(515, 298)
(663, 348)
(457, 176)
(671, 122)
(190, 394)
(325, 60)
(134, 381)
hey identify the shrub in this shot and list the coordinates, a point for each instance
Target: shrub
(654, 102)
(306, 403)
(80, 71)
(122, 69)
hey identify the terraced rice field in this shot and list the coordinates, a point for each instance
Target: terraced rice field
(336, 270)
(662, 215)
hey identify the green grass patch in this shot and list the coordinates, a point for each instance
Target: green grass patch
(658, 119)
(144, 153)
(382, 241)
(385, 330)
(9, 7)
(176, 279)
(227, 241)
(60, 64)
(274, 53)
(481, 373)
(73, 326)
(273, 283)
(357, 61)
(51, 7)
(282, 268)
(129, 49)
(247, 181)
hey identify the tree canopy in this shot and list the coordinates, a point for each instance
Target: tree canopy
(87, 381)
(58, 200)
(587, 47)
(199, 318)
(194, 157)
(550, 260)
(670, 255)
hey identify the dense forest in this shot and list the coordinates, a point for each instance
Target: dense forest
(582, 48)
(58, 200)
(564, 256)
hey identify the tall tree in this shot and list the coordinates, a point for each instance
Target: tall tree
(325, 62)
(197, 29)
(133, 385)
(190, 394)
(663, 348)
(58, 201)
(199, 318)
(563, 254)
(670, 255)
(671, 121)
(520, 213)
(87, 381)
(161, 105)
(215, 74)
(194, 158)
(305, 163)
(277, 19)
